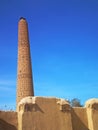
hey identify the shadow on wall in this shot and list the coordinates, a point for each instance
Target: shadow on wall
(33, 107)
(77, 124)
(6, 126)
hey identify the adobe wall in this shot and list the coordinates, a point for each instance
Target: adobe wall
(45, 114)
(8, 120)
(79, 118)
(40, 113)
(92, 113)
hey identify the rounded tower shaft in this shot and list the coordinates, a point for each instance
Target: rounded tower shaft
(24, 76)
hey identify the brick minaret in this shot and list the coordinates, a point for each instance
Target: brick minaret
(24, 76)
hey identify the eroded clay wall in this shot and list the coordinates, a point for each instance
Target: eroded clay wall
(79, 118)
(92, 113)
(94, 120)
(40, 113)
(8, 120)
(50, 114)
(46, 115)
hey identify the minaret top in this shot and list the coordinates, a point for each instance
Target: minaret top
(22, 18)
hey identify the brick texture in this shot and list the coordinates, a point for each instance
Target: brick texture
(24, 74)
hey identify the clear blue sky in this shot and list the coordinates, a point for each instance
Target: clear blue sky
(64, 47)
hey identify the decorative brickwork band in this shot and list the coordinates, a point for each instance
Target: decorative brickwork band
(24, 74)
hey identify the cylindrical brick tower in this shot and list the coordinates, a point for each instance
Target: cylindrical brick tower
(24, 74)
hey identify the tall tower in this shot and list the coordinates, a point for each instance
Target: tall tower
(24, 76)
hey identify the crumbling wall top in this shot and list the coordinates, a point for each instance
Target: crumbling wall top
(92, 103)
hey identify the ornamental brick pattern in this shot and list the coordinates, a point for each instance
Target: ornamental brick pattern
(24, 76)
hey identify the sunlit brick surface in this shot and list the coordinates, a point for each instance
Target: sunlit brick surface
(24, 76)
